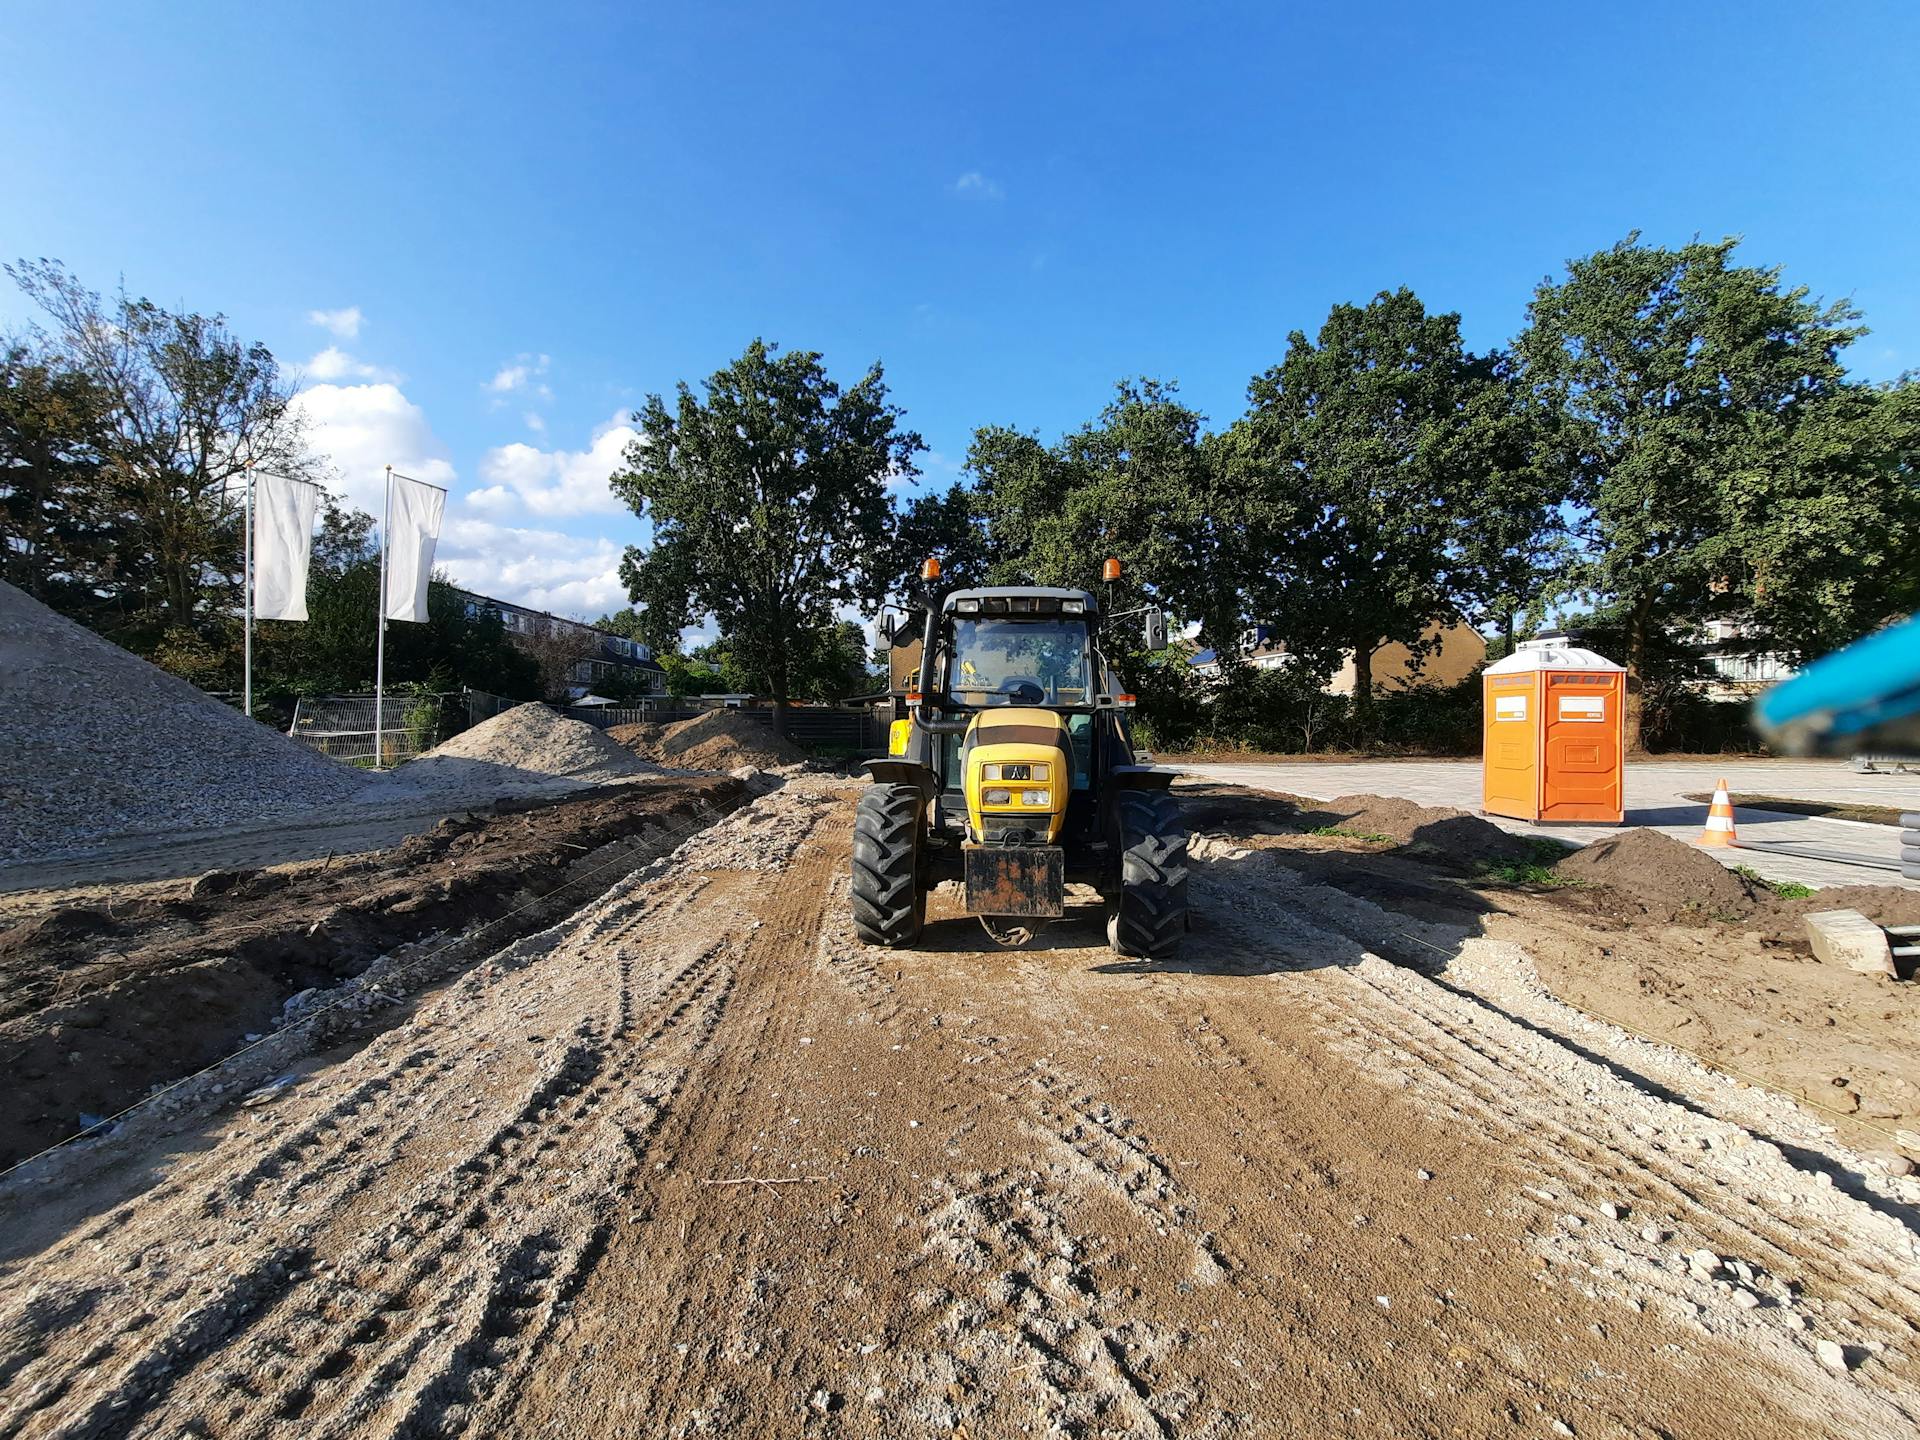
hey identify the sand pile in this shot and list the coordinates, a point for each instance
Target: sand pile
(1454, 834)
(717, 740)
(95, 742)
(1666, 877)
(527, 747)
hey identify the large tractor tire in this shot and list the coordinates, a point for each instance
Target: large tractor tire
(1147, 912)
(889, 891)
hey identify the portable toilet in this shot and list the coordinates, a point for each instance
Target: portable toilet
(1554, 734)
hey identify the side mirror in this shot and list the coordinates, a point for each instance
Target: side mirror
(1156, 629)
(887, 625)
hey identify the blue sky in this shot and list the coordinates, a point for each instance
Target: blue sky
(482, 232)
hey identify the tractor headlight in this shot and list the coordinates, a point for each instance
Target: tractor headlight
(996, 797)
(991, 773)
(1037, 799)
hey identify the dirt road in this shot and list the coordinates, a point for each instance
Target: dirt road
(695, 1162)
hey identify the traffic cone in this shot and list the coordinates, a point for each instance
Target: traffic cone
(1719, 833)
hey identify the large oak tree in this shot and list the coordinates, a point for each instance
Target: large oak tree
(767, 497)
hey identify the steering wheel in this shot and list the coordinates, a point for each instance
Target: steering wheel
(1023, 689)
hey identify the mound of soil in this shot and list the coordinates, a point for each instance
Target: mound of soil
(527, 744)
(1664, 876)
(99, 1003)
(97, 743)
(1454, 836)
(717, 740)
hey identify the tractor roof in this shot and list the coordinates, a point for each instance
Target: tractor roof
(1024, 592)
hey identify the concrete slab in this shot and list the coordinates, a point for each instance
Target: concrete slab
(1655, 799)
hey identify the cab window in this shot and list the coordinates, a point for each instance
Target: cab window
(1019, 662)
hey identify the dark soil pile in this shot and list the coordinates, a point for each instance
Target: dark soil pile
(1665, 877)
(1453, 837)
(717, 740)
(97, 1004)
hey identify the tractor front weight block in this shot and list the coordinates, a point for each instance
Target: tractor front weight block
(1016, 880)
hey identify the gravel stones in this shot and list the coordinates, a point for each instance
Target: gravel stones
(529, 746)
(95, 743)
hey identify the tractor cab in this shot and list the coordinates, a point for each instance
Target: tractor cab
(1011, 768)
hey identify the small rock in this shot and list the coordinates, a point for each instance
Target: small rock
(1831, 1355)
(1423, 1174)
(876, 1395)
(823, 1401)
(1745, 1298)
(1704, 1262)
(1652, 1233)
(1888, 1162)
(1560, 1427)
(1385, 1302)
(1611, 1210)
(1572, 1222)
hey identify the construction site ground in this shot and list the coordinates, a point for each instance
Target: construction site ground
(1391, 1149)
(1659, 796)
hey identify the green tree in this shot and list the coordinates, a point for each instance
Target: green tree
(768, 503)
(1827, 528)
(1508, 538)
(1138, 484)
(1352, 463)
(187, 406)
(626, 621)
(947, 526)
(57, 533)
(1682, 384)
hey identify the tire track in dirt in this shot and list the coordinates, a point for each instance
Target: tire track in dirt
(383, 1315)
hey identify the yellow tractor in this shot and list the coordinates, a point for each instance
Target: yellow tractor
(1011, 768)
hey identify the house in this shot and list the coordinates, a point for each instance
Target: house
(1735, 670)
(606, 656)
(1457, 649)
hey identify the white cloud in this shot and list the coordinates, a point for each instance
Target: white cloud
(978, 186)
(345, 323)
(535, 422)
(521, 374)
(333, 363)
(361, 429)
(547, 569)
(557, 482)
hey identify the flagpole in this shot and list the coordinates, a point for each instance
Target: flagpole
(380, 645)
(246, 684)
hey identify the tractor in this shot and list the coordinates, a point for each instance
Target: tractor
(1011, 769)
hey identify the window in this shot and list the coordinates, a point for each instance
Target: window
(1016, 662)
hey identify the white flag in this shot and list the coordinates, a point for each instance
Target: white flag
(413, 526)
(283, 512)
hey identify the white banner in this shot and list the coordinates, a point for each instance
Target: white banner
(283, 512)
(413, 527)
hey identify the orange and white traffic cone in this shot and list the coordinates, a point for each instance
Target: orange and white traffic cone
(1719, 833)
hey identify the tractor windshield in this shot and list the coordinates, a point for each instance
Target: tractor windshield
(1019, 662)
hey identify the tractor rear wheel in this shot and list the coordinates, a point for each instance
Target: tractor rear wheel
(889, 896)
(1147, 912)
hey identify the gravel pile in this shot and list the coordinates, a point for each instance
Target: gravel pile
(95, 742)
(717, 740)
(527, 747)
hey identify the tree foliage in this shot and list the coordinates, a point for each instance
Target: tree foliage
(1681, 387)
(1357, 465)
(181, 407)
(768, 501)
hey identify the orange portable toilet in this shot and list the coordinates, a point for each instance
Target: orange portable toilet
(1554, 734)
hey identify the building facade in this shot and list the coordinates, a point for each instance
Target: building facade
(605, 657)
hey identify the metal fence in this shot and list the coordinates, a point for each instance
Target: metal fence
(342, 726)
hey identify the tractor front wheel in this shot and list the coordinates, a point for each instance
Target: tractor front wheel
(1147, 912)
(889, 896)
